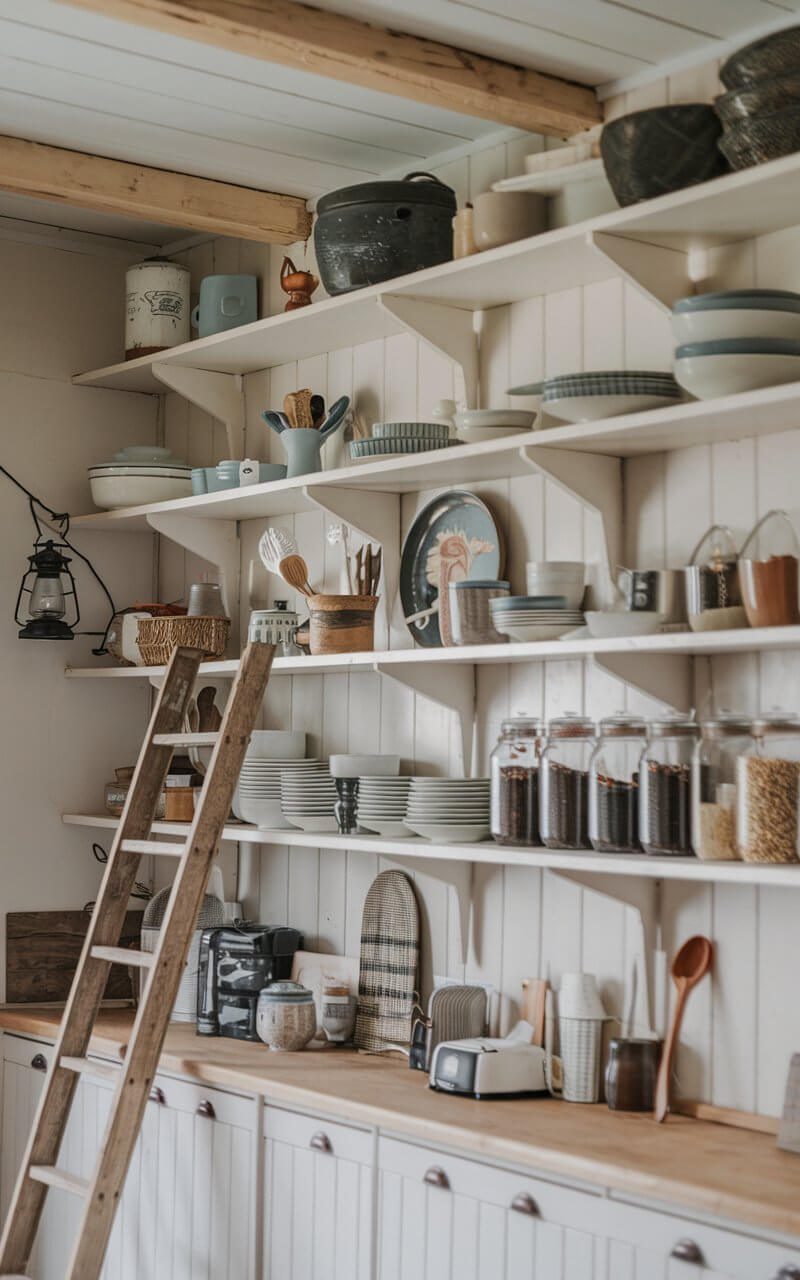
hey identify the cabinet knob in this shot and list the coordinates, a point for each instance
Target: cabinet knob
(523, 1203)
(688, 1251)
(789, 1272)
(321, 1142)
(39, 1062)
(157, 1095)
(205, 1109)
(436, 1177)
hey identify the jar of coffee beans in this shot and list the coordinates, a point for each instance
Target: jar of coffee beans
(767, 778)
(564, 783)
(514, 769)
(614, 784)
(665, 807)
(723, 739)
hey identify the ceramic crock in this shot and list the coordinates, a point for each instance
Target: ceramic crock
(286, 1018)
(225, 303)
(156, 307)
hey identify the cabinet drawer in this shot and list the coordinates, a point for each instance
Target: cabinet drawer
(22, 1051)
(327, 1136)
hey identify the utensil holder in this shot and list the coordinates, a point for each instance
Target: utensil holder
(342, 624)
(581, 1051)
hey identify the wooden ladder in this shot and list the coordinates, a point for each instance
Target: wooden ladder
(162, 969)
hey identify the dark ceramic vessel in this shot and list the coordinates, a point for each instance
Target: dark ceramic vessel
(631, 1074)
(773, 55)
(651, 153)
(765, 138)
(778, 94)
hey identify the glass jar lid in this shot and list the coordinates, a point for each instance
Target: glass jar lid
(285, 993)
(571, 725)
(775, 720)
(774, 535)
(523, 724)
(716, 548)
(726, 724)
(622, 725)
(674, 727)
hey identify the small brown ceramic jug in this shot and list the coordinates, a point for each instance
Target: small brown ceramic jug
(298, 284)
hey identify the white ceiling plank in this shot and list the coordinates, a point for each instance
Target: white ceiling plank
(720, 18)
(98, 133)
(20, 211)
(144, 105)
(195, 86)
(171, 50)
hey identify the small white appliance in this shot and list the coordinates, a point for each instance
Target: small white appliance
(489, 1068)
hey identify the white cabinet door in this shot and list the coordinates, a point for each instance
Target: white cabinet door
(318, 1198)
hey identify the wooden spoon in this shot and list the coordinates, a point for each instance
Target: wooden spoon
(294, 570)
(692, 963)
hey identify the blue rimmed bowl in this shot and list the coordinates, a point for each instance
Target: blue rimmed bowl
(727, 367)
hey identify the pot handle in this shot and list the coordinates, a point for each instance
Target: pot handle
(196, 317)
(429, 177)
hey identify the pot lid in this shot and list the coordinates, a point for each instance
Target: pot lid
(285, 993)
(416, 188)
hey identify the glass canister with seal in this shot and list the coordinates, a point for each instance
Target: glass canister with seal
(723, 738)
(514, 770)
(665, 787)
(614, 784)
(564, 783)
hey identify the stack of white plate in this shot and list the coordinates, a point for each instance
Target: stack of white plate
(524, 618)
(308, 797)
(382, 804)
(449, 810)
(257, 798)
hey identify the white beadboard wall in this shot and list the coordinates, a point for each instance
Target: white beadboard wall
(742, 1026)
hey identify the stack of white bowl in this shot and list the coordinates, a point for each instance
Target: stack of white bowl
(557, 578)
(526, 618)
(449, 810)
(736, 340)
(382, 804)
(308, 797)
(271, 752)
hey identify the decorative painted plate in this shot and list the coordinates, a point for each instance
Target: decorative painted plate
(453, 539)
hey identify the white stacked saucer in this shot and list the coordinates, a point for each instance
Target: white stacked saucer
(449, 810)
(257, 798)
(308, 797)
(382, 804)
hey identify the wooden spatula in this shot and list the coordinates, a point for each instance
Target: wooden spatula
(692, 963)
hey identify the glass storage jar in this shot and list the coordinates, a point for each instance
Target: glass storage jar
(665, 787)
(767, 775)
(514, 769)
(614, 784)
(564, 783)
(722, 741)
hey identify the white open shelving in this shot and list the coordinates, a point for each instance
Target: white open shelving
(623, 864)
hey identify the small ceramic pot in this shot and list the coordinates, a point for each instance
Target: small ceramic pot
(272, 626)
(286, 1019)
(338, 1014)
(500, 217)
(470, 615)
(199, 483)
(205, 601)
(342, 624)
(225, 303)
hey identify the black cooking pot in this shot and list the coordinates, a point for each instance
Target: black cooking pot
(377, 230)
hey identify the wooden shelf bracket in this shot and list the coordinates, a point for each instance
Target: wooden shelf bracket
(661, 274)
(451, 687)
(216, 541)
(220, 394)
(448, 330)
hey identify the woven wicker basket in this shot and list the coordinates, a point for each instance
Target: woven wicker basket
(581, 1051)
(159, 636)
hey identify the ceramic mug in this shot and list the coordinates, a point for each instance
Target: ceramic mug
(500, 217)
(225, 303)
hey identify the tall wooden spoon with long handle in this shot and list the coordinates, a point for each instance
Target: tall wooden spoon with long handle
(692, 963)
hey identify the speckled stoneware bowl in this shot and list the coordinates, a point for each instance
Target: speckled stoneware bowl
(650, 153)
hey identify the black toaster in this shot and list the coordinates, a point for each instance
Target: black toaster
(235, 964)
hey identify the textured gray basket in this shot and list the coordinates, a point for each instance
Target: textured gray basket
(581, 1043)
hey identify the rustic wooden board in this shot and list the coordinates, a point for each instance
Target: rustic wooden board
(42, 950)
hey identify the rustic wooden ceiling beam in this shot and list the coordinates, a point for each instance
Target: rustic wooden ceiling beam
(330, 44)
(157, 195)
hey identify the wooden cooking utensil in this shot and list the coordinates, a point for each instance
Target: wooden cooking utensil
(297, 407)
(294, 570)
(692, 963)
(534, 992)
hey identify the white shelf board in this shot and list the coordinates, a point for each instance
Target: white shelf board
(686, 643)
(735, 207)
(488, 852)
(549, 182)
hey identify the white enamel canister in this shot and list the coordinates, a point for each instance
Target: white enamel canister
(156, 307)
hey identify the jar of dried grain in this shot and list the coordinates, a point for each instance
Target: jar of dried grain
(767, 777)
(514, 769)
(614, 784)
(723, 739)
(665, 787)
(564, 783)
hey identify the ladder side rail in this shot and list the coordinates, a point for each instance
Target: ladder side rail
(91, 974)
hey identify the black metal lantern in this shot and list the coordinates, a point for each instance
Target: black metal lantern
(49, 584)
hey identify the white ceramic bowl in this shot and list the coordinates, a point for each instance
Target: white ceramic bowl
(112, 491)
(713, 326)
(572, 570)
(451, 833)
(526, 632)
(385, 826)
(475, 435)
(490, 424)
(261, 813)
(594, 408)
(313, 822)
(640, 622)
(708, 377)
(350, 766)
(276, 744)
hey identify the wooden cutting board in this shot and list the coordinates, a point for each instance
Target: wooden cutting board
(42, 950)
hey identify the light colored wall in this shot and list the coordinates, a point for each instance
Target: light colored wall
(60, 312)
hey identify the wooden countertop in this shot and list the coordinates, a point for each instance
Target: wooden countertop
(701, 1167)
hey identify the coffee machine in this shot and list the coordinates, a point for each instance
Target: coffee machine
(235, 964)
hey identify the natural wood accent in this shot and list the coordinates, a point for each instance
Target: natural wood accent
(298, 35)
(750, 1120)
(42, 951)
(691, 1164)
(158, 195)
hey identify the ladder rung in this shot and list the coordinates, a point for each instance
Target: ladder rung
(53, 1177)
(184, 739)
(90, 1067)
(166, 848)
(122, 955)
